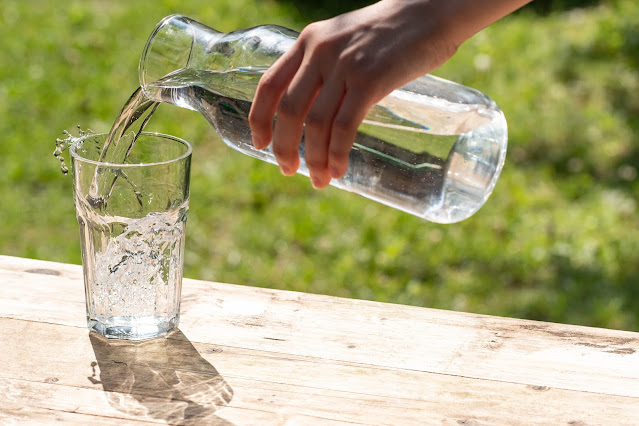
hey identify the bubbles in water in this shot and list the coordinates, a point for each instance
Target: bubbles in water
(136, 272)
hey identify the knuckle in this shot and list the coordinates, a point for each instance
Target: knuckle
(310, 31)
(343, 126)
(339, 153)
(316, 121)
(357, 65)
(325, 48)
(284, 152)
(288, 108)
(321, 45)
(269, 83)
(316, 163)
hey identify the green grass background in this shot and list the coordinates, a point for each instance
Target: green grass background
(557, 241)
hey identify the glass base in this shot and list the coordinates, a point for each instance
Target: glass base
(133, 328)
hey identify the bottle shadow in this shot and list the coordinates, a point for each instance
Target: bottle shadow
(164, 379)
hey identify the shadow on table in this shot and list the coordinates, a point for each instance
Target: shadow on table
(163, 379)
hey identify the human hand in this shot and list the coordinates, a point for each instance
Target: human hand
(335, 72)
(339, 68)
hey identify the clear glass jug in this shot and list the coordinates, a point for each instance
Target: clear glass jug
(432, 148)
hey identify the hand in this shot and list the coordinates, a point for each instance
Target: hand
(336, 71)
(339, 68)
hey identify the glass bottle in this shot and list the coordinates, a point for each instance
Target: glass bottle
(432, 148)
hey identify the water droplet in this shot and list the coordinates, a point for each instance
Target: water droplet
(63, 144)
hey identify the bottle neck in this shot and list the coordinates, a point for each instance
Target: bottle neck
(179, 43)
(173, 45)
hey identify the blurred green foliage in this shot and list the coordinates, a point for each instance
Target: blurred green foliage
(548, 6)
(557, 241)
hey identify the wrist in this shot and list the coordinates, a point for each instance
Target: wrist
(452, 22)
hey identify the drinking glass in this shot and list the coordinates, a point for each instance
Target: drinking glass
(132, 236)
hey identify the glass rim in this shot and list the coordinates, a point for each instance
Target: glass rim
(78, 157)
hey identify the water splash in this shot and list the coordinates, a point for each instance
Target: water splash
(98, 202)
(62, 145)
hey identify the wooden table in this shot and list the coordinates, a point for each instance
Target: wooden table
(253, 356)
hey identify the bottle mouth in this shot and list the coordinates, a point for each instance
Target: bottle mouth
(167, 49)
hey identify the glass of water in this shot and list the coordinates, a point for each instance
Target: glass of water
(132, 235)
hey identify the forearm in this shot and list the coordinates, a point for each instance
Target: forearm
(454, 21)
(339, 68)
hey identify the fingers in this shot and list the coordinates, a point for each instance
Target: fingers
(328, 116)
(318, 132)
(291, 114)
(308, 97)
(351, 113)
(270, 89)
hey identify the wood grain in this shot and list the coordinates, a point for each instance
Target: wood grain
(247, 355)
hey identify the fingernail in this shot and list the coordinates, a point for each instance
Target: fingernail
(316, 182)
(285, 170)
(333, 171)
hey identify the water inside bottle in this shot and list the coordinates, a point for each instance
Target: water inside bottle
(427, 156)
(435, 159)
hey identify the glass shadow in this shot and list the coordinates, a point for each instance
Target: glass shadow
(163, 379)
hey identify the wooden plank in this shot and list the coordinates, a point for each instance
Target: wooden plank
(43, 298)
(553, 355)
(53, 371)
(368, 333)
(40, 267)
(43, 403)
